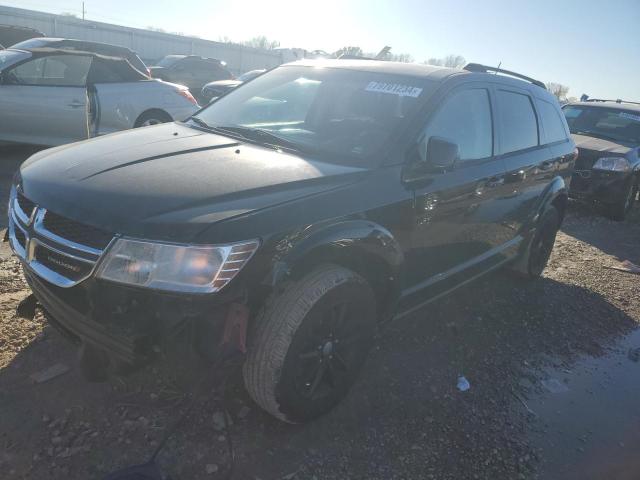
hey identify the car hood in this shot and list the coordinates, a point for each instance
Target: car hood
(592, 148)
(599, 144)
(170, 182)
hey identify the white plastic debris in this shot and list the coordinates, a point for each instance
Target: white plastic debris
(463, 384)
(554, 385)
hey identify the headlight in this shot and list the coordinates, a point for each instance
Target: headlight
(179, 268)
(612, 164)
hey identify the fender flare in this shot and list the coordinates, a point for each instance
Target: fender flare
(355, 244)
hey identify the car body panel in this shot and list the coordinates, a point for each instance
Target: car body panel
(121, 104)
(31, 114)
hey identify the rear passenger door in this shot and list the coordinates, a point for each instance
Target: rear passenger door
(528, 163)
(456, 220)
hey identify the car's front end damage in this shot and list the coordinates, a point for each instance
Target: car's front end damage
(155, 247)
(119, 325)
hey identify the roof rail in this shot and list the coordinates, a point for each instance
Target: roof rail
(608, 100)
(477, 67)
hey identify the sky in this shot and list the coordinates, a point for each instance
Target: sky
(591, 46)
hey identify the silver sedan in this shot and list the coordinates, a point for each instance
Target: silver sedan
(56, 96)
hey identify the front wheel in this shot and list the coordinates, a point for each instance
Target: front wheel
(310, 343)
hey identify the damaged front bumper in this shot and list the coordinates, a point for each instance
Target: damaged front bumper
(120, 329)
(602, 186)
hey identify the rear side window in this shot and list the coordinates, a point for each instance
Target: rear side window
(553, 126)
(518, 125)
(55, 70)
(465, 119)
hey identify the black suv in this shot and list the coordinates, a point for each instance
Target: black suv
(607, 133)
(297, 212)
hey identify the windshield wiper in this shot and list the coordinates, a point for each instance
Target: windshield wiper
(201, 123)
(260, 136)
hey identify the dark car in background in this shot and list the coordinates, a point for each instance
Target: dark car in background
(192, 71)
(98, 48)
(296, 213)
(219, 88)
(12, 34)
(607, 134)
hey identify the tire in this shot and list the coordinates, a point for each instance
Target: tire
(618, 211)
(152, 117)
(310, 343)
(542, 243)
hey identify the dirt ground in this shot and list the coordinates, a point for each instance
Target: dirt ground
(554, 389)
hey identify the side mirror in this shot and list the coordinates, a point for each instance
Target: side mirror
(442, 154)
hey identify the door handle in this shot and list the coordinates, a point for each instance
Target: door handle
(75, 104)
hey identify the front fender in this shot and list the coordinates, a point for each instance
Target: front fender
(362, 245)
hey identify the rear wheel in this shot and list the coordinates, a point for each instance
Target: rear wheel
(542, 243)
(310, 343)
(152, 117)
(619, 210)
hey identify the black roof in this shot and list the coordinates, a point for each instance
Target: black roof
(430, 72)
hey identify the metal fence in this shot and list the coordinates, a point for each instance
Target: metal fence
(150, 45)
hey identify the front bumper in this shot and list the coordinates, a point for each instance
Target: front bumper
(602, 186)
(128, 328)
(121, 326)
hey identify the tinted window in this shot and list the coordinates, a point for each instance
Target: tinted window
(56, 70)
(552, 122)
(518, 125)
(465, 119)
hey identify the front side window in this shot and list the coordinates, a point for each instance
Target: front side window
(607, 123)
(465, 119)
(341, 114)
(54, 70)
(518, 124)
(552, 122)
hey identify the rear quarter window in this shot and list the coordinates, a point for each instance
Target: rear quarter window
(553, 125)
(517, 121)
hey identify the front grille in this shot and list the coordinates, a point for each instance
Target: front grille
(69, 267)
(75, 231)
(586, 159)
(59, 250)
(22, 240)
(25, 204)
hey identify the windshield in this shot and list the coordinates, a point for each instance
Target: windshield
(612, 124)
(9, 57)
(345, 115)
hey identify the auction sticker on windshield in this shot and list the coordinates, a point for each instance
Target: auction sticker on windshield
(394, 89)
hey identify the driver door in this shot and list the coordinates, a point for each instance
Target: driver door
(44, 100)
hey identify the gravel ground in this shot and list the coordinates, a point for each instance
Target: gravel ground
(404, 419)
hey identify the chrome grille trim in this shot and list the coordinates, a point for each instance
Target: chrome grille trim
(35, 234)
(39, 228)
(24, 218)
